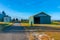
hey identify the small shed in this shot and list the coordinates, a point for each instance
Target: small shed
(40, 18)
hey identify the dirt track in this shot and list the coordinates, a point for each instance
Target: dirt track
(13, 36)
(27, 35)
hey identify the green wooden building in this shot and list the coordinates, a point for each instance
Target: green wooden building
(40, 18)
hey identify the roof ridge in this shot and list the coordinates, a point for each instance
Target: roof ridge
(42, 13)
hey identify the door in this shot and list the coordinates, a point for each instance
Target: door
(36, 20)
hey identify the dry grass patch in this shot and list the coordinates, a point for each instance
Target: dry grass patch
(45, 25)
(8, 23)
(24, 24)
(54, 35)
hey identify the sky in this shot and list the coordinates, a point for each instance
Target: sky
(23, 9)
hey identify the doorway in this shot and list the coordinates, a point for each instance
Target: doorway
(36, 20)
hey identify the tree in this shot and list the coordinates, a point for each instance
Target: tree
(13, 20)
(16, 19)
(24, 20)
(3, 12)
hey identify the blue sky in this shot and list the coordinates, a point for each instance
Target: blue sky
(25, 8)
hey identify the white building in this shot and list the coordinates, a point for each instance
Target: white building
(7, 19)
(4, 17)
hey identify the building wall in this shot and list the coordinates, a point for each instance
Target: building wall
(7, 19)
(31, 20)
(45, 20)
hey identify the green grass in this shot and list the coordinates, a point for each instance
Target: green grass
(55, 23)
(4, 25)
